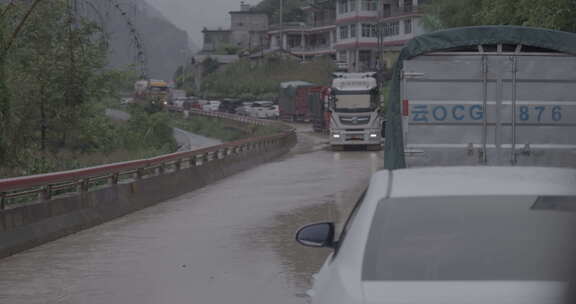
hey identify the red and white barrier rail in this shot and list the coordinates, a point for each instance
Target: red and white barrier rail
(14, 191)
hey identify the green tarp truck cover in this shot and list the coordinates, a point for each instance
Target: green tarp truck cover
(458, 38)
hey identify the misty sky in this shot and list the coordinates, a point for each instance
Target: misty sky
(193, 15)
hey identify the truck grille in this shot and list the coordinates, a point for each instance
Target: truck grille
(355, 120)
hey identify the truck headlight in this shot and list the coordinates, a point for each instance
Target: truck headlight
(373, 135)
(336, 135)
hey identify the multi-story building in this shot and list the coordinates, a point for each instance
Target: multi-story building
(312, 38)
(359, 23)
(248, 30)
(215, 39)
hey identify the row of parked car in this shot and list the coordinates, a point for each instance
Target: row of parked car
(256, 109)
(259, 109)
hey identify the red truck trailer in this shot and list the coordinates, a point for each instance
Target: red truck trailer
(293, 101)
(317, 101)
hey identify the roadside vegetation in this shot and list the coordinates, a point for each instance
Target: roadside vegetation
(53, 82)
(98, 140)
(552, 14)
(253, 80)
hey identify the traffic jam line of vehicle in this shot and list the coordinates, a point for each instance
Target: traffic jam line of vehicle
(485, 211)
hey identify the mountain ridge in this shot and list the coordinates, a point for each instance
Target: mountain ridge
(165, 46)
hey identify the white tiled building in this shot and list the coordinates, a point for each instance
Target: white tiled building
(357, 24)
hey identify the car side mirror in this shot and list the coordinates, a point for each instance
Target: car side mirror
(316, 235)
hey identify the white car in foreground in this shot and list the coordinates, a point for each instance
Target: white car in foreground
(452, 235)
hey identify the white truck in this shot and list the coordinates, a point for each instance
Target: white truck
(355, 116)
(497, 100)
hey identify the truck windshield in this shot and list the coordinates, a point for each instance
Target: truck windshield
(354, 101)
(517, 238)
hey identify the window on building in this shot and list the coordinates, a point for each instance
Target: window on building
(386, 10)
(319, 40)
(407, 5)
(395, 28)
(391, 28)
(408, 26)
(353, 30)
(343, 56)
(374, 30)
(369, 5)
(369, 30)
(294, 41)
(343, 6)
(352, 5)
(365, 58)
(320, 17)
(344, 32)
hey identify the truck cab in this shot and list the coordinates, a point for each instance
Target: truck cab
(355, 117)
(153, 94)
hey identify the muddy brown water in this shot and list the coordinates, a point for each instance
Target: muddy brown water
(230, 242)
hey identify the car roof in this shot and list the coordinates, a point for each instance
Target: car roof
(462, 181)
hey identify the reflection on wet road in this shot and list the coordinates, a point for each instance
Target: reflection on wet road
(231, 242)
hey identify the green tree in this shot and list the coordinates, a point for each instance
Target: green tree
(552, 14)
(51, 76)
(55, 69)
(178, 77)
(450, 13)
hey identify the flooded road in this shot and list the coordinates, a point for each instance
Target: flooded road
(230, 242)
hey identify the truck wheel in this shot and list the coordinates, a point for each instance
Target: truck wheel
(373, 147)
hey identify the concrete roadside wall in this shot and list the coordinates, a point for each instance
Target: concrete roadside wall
(34, 224)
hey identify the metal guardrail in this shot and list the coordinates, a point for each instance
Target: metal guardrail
(21, 190)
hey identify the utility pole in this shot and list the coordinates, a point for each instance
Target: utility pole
(281, 24)
(358, 27)
(380, 56)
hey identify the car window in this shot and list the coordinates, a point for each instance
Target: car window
(350, 220)
(514, 238)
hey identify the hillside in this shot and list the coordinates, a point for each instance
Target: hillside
(165, 45)
(249, 81)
